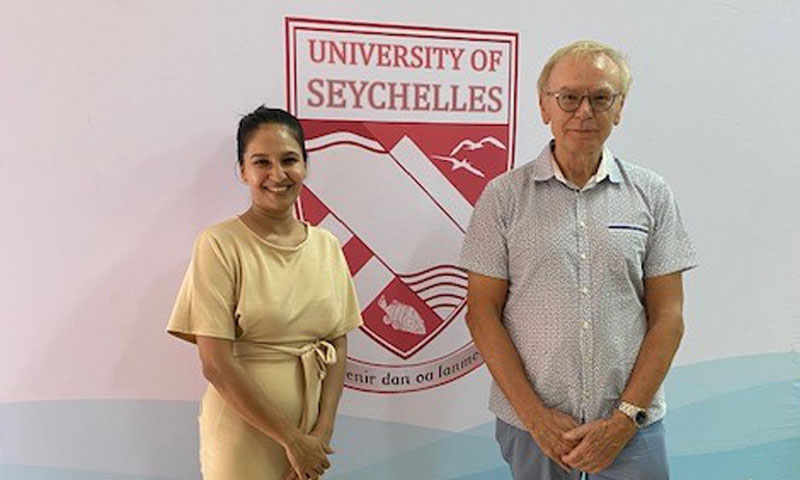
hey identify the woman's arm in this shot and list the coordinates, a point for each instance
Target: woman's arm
(331, 392)
(307, 454)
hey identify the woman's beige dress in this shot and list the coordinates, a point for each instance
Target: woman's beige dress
(279, 305)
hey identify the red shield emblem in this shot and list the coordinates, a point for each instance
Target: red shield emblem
(404, 127)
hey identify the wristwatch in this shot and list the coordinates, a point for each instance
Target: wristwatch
(637, 414)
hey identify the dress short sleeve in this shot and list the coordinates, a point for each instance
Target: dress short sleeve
(669, 248)
(207, 300)
(350, 317)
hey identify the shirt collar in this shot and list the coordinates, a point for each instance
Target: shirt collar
(545, 167)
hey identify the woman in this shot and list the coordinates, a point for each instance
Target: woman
(268, 300)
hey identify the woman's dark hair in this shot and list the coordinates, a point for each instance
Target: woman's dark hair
(263, 115)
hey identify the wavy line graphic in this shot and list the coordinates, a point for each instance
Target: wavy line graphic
(343, 138)
(444, 306)
(436, 268)
(444, 295)
(437, 286)
(453, 276)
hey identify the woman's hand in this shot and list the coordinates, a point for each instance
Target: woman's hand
(324, 432)
(308, 457)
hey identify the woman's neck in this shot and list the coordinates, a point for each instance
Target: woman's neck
(269, 225)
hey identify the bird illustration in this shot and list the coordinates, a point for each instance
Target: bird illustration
(459, 164)
(470, 145)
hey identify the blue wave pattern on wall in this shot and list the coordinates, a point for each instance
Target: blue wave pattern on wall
(736, 418)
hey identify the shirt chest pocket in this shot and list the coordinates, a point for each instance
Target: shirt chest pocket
(626, 245)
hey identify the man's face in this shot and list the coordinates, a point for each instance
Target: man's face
(583, 131)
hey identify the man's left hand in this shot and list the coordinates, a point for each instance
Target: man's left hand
(600, 442)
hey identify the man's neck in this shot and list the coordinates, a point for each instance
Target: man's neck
(578, 167)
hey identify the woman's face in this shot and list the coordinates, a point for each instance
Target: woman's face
(274, 169)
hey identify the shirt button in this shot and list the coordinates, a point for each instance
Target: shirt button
(584, 290)
(582, 224)
(586, 325)
(583, 256)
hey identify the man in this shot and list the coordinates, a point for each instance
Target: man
(575, 292)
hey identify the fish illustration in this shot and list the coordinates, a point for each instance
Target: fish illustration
(402, 317)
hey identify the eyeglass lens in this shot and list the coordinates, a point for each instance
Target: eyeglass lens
(600, 100)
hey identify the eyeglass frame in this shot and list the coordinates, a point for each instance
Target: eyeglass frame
(587, 96)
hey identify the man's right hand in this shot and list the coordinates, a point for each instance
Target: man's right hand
(547, 430)
(308, 457)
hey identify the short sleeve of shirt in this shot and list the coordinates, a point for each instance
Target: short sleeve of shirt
(669, 248)
(351, 311)
(206, 300)
(485, 250)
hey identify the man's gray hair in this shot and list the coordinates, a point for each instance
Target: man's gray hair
(587, 48)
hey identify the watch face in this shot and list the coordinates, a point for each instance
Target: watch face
(641, 417)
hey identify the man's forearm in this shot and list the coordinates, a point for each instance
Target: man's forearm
(664, 307)
(505, 365)
(655, 357)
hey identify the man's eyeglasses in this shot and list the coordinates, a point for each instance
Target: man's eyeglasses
(570, 101)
